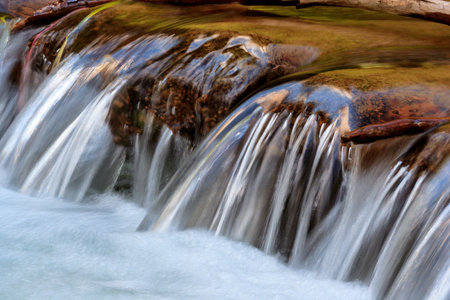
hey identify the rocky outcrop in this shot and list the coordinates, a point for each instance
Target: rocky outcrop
(190, 86)
(195, 84)
(199, 87)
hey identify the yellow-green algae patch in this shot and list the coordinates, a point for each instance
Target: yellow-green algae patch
(407, 27)
(135, 19)
(369, 79)
(4, 17)
(333, 30)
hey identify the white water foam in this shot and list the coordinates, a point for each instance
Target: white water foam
(52, 249)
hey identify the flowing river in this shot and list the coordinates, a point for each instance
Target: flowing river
(185, 156)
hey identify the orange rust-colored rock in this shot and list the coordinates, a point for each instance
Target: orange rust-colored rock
(22, 8)
(372, 133)
(380, 107)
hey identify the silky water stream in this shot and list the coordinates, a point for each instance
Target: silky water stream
(267, 203)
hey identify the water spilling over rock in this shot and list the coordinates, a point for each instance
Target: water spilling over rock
(338, 166)
(282, 182)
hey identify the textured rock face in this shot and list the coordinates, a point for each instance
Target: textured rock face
(28, 8)
(362, 118)
(430, 150)
(48, 12)
(371, 133)
(196, 83)
(202, 79)
(191, 85)
(22, 8)
(387, 106)
(390, 101)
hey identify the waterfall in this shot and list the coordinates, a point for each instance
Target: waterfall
(58, 143)
(158, 154)
(61, 130)
(282, 182)
(178, 124)
(11, 48)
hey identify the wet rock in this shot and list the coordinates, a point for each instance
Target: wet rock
(291, 57)
(56, 10)
(194, 85)
(190, 86)
(365, 117)
(22, 8)
(430, 150)
(385, 102)
(375, 132)
(196, 88)
(377, 107)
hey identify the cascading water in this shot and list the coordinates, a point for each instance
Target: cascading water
(10, 47)
(118, 115)
(30, 145)
(347, 213)
(158, 154)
